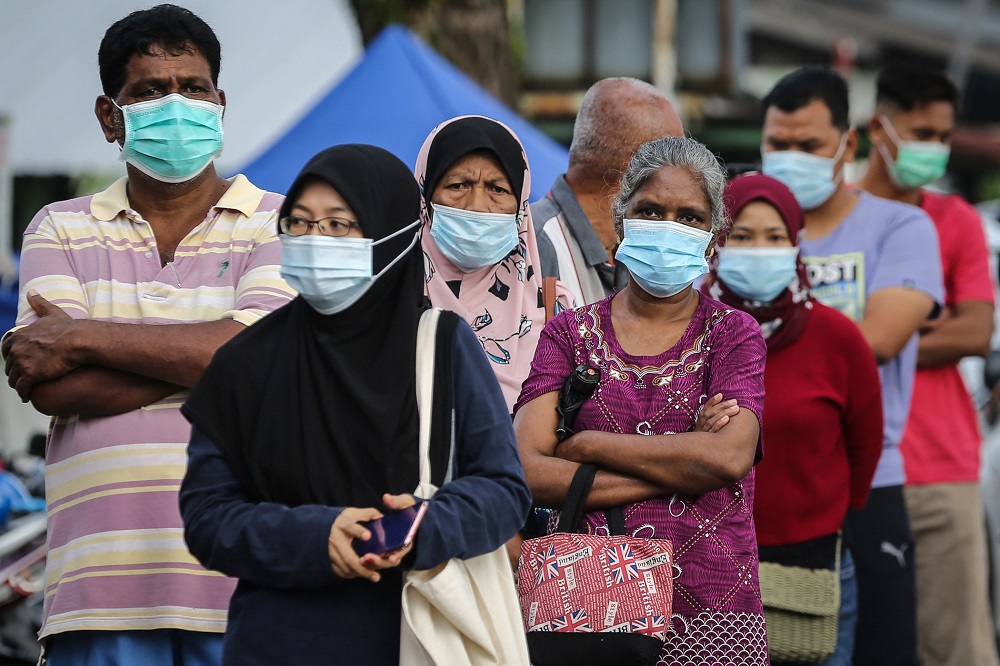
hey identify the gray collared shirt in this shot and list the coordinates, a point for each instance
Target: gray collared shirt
(584, 254)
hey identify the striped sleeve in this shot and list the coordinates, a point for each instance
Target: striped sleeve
(260, 288)
(48, 268)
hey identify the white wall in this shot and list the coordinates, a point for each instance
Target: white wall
(18, 422)
(277, 58)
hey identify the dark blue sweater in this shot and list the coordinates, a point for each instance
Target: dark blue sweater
(289, 606)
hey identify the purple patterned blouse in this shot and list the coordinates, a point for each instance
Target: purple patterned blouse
(717, 613)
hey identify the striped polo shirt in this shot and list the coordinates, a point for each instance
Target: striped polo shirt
(117, 558)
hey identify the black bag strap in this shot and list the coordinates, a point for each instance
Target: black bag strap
(572, 509)
(616, 521)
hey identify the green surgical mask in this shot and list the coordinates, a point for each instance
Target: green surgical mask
(173, 138)
(917, 163)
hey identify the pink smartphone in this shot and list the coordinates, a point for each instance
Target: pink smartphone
(393, 531)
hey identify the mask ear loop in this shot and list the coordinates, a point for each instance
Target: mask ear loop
(397, 232)
(416, 237)
(121, 110)
(840, 152)
(889, 129)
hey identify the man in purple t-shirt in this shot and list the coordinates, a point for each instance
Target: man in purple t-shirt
(876, 261)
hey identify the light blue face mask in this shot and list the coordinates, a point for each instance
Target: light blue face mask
(472, 240)
(809, 177)
(331, 274)
(172, 139)
(663, 257)
(757, 273)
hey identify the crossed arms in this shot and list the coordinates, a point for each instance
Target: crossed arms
(66, 366)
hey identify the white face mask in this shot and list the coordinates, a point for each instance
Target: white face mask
(332, 274)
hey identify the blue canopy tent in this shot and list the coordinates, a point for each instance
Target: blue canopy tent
(399, 91)
(8, 306)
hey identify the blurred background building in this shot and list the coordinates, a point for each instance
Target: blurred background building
(719, 57)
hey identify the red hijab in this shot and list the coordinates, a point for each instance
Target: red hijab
(783, 319)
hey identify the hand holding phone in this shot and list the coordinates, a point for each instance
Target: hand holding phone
(392, 532)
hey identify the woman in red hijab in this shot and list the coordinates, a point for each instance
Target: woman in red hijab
(822, 411)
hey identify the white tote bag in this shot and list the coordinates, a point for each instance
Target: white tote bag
(463, 612)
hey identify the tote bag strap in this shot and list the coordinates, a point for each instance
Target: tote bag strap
(426, 338)
(572, 509)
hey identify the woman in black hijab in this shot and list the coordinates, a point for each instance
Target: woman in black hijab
(306, 424)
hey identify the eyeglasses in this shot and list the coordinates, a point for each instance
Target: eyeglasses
(328, 226)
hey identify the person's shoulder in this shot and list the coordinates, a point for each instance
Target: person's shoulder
(256, 340)
(839, 335)
(271, 202)
(464, 343)
(542, 211)
(892, 215)
(457, 328)
(832, 322)
(872, 206)
(951, 206)
(570, 318)
(718, 314)
(69, 207)
(887, 219)
(251, 201)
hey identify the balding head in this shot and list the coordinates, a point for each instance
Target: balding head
(616, 117)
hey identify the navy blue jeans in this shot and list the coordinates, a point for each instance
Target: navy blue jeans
(154, 647)
(848, 613)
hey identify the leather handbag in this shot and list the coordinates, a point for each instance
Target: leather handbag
(462, 612)
(588, 599)
(802, 610)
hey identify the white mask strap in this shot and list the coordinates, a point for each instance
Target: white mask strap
(402, 254)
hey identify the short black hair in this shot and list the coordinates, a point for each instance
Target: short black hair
(169, 27)
(908, 86)
(806, 85)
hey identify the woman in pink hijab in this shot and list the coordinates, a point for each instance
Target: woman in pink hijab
(480, 257)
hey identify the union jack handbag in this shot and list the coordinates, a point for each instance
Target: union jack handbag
(589, 599)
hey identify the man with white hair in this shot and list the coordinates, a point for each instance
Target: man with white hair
(576, 234)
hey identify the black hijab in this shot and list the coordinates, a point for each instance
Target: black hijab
(311, 408)
(468, 135)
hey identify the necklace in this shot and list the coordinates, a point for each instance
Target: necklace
(643, 377)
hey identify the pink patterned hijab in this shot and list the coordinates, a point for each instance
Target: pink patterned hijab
(502, 303)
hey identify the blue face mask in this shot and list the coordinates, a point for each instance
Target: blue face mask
(472, 240)
(757, 273)
(663, 257)
(331, 274)
(809, 177)
(172, 139)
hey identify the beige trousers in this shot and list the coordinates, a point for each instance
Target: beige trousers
(954, 624)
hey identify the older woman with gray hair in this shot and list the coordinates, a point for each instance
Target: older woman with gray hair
(664, 351)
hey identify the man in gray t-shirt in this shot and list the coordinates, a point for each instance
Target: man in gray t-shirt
(876, 261)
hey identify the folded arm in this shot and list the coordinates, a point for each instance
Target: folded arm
(689, 463)
(964, 330)
(891, 317)
(55, 344)
(91, 390)
(549, 476)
